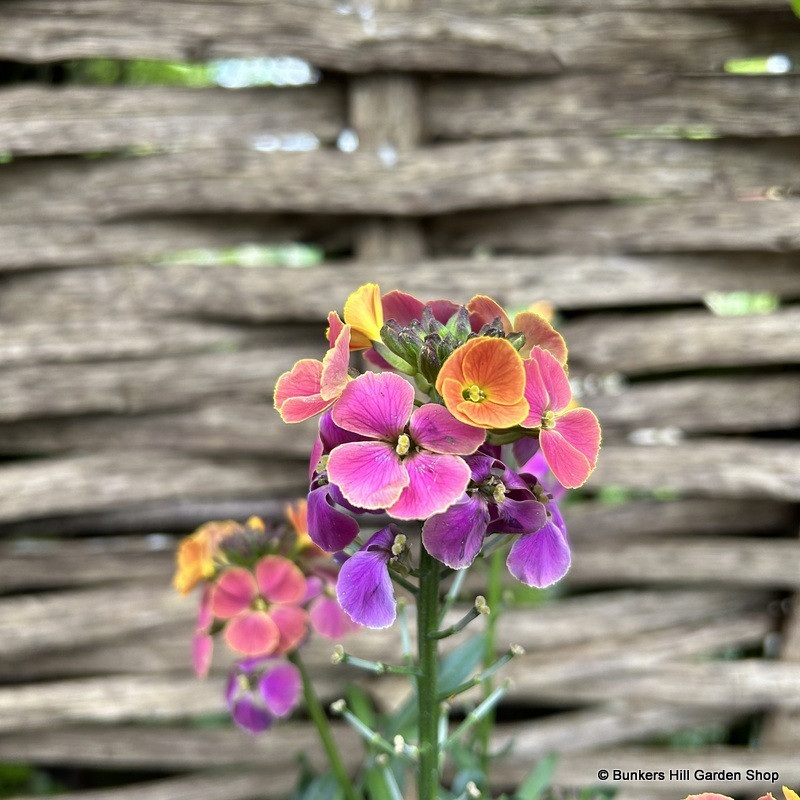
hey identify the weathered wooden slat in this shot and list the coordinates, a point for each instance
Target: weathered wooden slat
(344, 39)
(77, 119)
(683, 340)
(425, 181)
(136, 386)
(491, 7)
(308, 294)
(111, 480)
(693, 225)
(634, 104)
(80, 242)
(718, 560)
(708, 404)
(710, 467)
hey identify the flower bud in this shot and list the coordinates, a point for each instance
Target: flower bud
(337, 656)
(482, 606)
(517, 339)
(392, 337)
(429, 363)
(338, 706)
(459, 325)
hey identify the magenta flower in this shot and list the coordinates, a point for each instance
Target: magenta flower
(364, 588)
(260, 690)
(408, 463)
(569, 437)
(497, 501)
(262, 609)
(324, 612)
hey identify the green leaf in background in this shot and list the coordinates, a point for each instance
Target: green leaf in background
(538, 779)
(461, 663)
(796, 7)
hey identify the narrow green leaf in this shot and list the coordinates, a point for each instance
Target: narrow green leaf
(461, 663)
(538, 779)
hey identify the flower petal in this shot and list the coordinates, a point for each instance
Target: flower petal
(202, 650)
(329, 528)
(483, 310)
(401, 307)
(252, 633)
(555, 380)
(375, 405)
(582, 430)
(233, 592)
(334, 375)
(535, 394)
(570, 467)
(279, 580)
(364, 313)
(328, 619)
(495, 366)
(455, 536)
(249, 716)
(435, 483)
(437, 430)
(540, 559)
(519, 516)
(335, 326)
(281, 687)
(365, 589)
(492, 415)
(292, 625)
(540, 333)
(297, 396)
(369, 474)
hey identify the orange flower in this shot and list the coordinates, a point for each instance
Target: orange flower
(297, 514)
(196, 554)
(483, 383)
(363, 312)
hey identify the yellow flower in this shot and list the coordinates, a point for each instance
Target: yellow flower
(197, 552)
(363, 312)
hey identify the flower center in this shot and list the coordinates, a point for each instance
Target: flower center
(548, 420)
(474, 394)
(403, 444)
(260, 604)
(499, 493)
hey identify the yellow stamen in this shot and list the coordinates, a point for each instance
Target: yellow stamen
(548, 420)
(403, 444)
(260, 604)
(499, 493)
(474, 394)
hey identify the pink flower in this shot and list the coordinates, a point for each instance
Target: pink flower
(261, 607)
(312, 386)
(408, 463)
(569, 437)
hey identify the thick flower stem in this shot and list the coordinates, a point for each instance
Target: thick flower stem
(427, 682)
(317, 714)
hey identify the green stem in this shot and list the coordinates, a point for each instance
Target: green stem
(494, 594)
(317, 714)
(427, 682)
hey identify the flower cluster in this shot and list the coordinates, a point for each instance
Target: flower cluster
(429, 435)
(262, 589)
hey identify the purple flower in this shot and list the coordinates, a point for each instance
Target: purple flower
(408, 461)
(364, 588)
(324, 612)
(259, 690)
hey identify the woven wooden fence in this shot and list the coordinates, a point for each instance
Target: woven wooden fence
(598, 156)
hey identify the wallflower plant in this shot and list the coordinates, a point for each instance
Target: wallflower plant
(456, 444)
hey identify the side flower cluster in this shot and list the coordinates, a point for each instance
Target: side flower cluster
(429, 435)
(263, 590)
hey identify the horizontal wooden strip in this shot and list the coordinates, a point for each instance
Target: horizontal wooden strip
(136, 386)
(743, 562)
(711, 467)
(77, 119)
(376, 39)
(80, 483)
(707, 404)
(704, 225)
(541, 6)
(423, 181)
(683, 340)
(307, 295)
(80, 243)
(634, 104)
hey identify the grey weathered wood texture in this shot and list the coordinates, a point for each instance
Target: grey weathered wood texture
(602, 160)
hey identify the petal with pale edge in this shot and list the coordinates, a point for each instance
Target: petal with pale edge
(555, 380)
(297, 396)
(328, 619)
(436, 429)
(334, 375)
(291, 623)
(233, 593)
(519, 516)
(335, 326)
(492, 415)
(280, 688)
(329, 528)
(280, 580)
(570, 467)
(375, 405)
(540, 559)
(540, 333)
(495, 366)
(369, 474)
(252, 634)
(708, 796)
(582, 430)
(435, 482)
(365, 589)
(455, 536)
(364, 313)
(483, 310)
